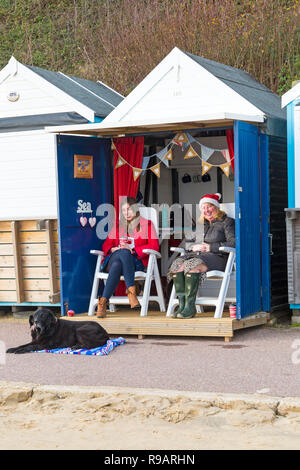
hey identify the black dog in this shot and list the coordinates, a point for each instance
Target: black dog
(49, 332)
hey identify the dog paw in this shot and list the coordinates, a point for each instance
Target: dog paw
(10, 350)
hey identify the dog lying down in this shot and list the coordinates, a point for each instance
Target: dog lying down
(49, 332)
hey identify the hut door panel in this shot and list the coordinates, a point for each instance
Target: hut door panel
(247, 199)
(79, 197)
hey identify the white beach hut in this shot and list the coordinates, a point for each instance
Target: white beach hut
(30, 99)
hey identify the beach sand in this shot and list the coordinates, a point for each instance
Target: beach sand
(58, 417)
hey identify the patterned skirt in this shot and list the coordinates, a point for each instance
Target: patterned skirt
(189, 261)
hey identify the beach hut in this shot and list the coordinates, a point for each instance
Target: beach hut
(226, 113)
(291, 101)
(30, 99)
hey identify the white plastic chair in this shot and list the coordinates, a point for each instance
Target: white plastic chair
(152, 274)
(217, 282)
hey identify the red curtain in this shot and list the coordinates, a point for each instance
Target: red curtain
(230, 144)
(131, 150)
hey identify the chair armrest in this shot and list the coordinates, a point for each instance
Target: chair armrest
(227, 249)
(152, 252)
(178, 250)
(96, 252)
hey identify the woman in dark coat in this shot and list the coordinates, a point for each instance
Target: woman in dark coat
(188, 270)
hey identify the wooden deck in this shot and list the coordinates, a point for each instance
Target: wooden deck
(126, 322)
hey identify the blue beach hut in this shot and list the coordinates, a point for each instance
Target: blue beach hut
(189, 94)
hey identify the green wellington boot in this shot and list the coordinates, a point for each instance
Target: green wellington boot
(179, 284)
(191, 288)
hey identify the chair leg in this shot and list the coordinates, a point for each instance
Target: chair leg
(147, 287)
(94, 293)
(221, 298)
(172, 303)
(161, 299)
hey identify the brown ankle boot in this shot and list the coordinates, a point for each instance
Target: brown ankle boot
(101, 307)
(131, 292)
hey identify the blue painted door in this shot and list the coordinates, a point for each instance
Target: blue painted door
(247, 199)
(75, 196)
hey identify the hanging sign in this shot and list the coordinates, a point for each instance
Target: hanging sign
(83, 166)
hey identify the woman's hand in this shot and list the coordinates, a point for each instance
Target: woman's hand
(204, 247)
(114, 249)
(124, 246)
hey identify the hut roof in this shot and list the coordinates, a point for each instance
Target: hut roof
(245, 85)
(96, 95)
(185, 91)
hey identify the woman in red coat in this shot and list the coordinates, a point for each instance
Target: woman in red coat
(124, 254)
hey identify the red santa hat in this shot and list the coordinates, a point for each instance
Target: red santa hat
(210, 199)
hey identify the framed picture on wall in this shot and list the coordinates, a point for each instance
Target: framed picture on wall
(83, 166)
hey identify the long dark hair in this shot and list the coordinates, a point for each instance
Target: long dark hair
(130, 225)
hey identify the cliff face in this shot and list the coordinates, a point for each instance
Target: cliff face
(120, 41)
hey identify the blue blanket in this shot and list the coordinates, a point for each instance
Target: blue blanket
(101, 351)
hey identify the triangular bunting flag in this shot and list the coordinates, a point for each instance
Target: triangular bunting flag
(156, 169)
(145, 163)
(226, 155)
(162, 155)
(120, 162)
(113, 147)
(180, 139)
(169, 155)
(226, 168)
(205, 167)
(191, 153)
(206, 152)
(136, 173)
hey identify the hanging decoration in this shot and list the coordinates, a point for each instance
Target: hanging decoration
(185, 141)
(180, 139)
(226, 168)
(190, 153)
(156, 169)
(205, 167)
(120, 162)
(136, 173)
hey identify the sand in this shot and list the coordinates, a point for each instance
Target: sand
(72, 417)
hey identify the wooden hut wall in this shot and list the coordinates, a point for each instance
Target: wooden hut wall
(29, 264)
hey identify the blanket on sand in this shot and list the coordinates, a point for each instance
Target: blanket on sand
(101, 351)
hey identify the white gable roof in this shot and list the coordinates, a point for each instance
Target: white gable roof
(178, 90)
(291, 95)
(37, 95)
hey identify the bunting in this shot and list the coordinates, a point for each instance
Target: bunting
(226, 168)
(190, 153)
(205, 167)
(136, 173)
(156, 169)
(184, 140)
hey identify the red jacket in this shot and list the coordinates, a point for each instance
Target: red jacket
(145, 238)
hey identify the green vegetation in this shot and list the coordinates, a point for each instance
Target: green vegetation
(121, 41)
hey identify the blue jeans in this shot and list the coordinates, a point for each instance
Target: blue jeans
(121, 263)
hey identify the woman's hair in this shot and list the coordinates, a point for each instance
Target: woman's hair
(219, 214)
(129, 226)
